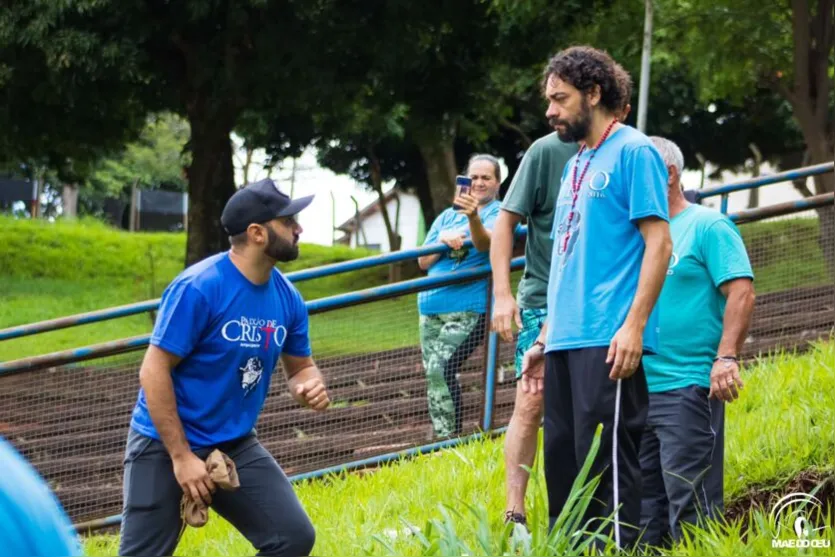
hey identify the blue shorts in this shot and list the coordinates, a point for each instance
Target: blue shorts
(532, 321)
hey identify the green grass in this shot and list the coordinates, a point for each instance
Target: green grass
(785, 254)
(454, 499)
(50, 270)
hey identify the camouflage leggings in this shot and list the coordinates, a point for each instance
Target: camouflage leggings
(447, 340)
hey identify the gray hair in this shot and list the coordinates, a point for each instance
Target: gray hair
(669, 152)
(489, 158)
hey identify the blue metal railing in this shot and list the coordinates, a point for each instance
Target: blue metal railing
(725, 189)
(294, 277)
(412, 254)
(314, 306)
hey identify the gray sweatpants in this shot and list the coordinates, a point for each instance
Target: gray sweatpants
(682, 452)
(264, 509)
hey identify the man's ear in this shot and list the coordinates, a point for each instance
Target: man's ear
(672, 174)
(256, 233)
(593, 96)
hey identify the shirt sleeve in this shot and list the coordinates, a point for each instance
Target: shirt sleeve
(183, 316)
(434, 230)
(555, 224)
(298, 334)
(521, 196)
(724, 253)
(646, 183)
(490, 219)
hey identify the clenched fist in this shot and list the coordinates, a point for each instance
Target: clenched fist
(312, 393)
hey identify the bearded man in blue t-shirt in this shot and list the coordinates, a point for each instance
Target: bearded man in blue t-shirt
(611, 248)
(222, 327)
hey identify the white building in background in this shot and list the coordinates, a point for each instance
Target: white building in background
(367, 228)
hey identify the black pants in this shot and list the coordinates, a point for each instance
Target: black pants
(464, 351)
(578, 396)
(264, 508)
(681, 459)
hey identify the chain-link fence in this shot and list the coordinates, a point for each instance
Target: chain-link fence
(397, 380)
(71, 421)
(793, 258)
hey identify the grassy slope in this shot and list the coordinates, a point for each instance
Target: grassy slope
(52, 270)
(781, 425)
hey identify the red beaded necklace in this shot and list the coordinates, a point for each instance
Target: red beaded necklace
(575, 184)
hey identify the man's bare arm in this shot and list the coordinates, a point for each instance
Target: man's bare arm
(305, 381)
(505, 309)
(501, 251)
(656, 261)
(626, 348)
(738, 310)
(155, 378)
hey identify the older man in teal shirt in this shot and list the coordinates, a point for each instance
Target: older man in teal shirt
(705, 307)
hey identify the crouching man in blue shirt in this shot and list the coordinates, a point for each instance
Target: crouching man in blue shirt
(705, 308)
(222, 326)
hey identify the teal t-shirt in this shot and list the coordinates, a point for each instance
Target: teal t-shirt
(533, 195)
(707, 252)
(466, 296)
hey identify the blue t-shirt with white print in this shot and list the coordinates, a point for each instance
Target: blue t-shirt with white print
(229, 333)
(594, 272)
(463, 297)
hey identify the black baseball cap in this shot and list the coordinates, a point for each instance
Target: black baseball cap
(257, 203)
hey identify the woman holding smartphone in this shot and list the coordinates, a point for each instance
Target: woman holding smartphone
(453, 318)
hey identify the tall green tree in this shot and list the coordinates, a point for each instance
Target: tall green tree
(210, 61)
(155, 160)
(733, 47)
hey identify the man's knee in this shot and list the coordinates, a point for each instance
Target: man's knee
(527, 410)
(299, 542)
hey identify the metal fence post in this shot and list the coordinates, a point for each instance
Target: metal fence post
(491, 353)
(490, 381)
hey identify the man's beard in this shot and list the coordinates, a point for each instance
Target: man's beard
(280, 250)
(577, 130)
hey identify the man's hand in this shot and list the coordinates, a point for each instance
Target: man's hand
(312, 393)
(504, 312)
(725, 381)
(533, 370)
(452, 238)
(468, 205)
(193, 477)
(625, 351)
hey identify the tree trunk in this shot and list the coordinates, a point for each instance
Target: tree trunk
(211, 180)
(754, 193)
(69, 201)
(436, 146)
(376, 175)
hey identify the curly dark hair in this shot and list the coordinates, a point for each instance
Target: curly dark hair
(585, 67)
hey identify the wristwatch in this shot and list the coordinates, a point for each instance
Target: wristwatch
(539, 343)
(726, 359)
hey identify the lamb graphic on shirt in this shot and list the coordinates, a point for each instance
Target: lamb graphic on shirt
(572, 240)
(251, 374)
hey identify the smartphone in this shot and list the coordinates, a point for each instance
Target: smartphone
(462, 185)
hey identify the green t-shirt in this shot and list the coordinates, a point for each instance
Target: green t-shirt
(707, 252)
(533, 195)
